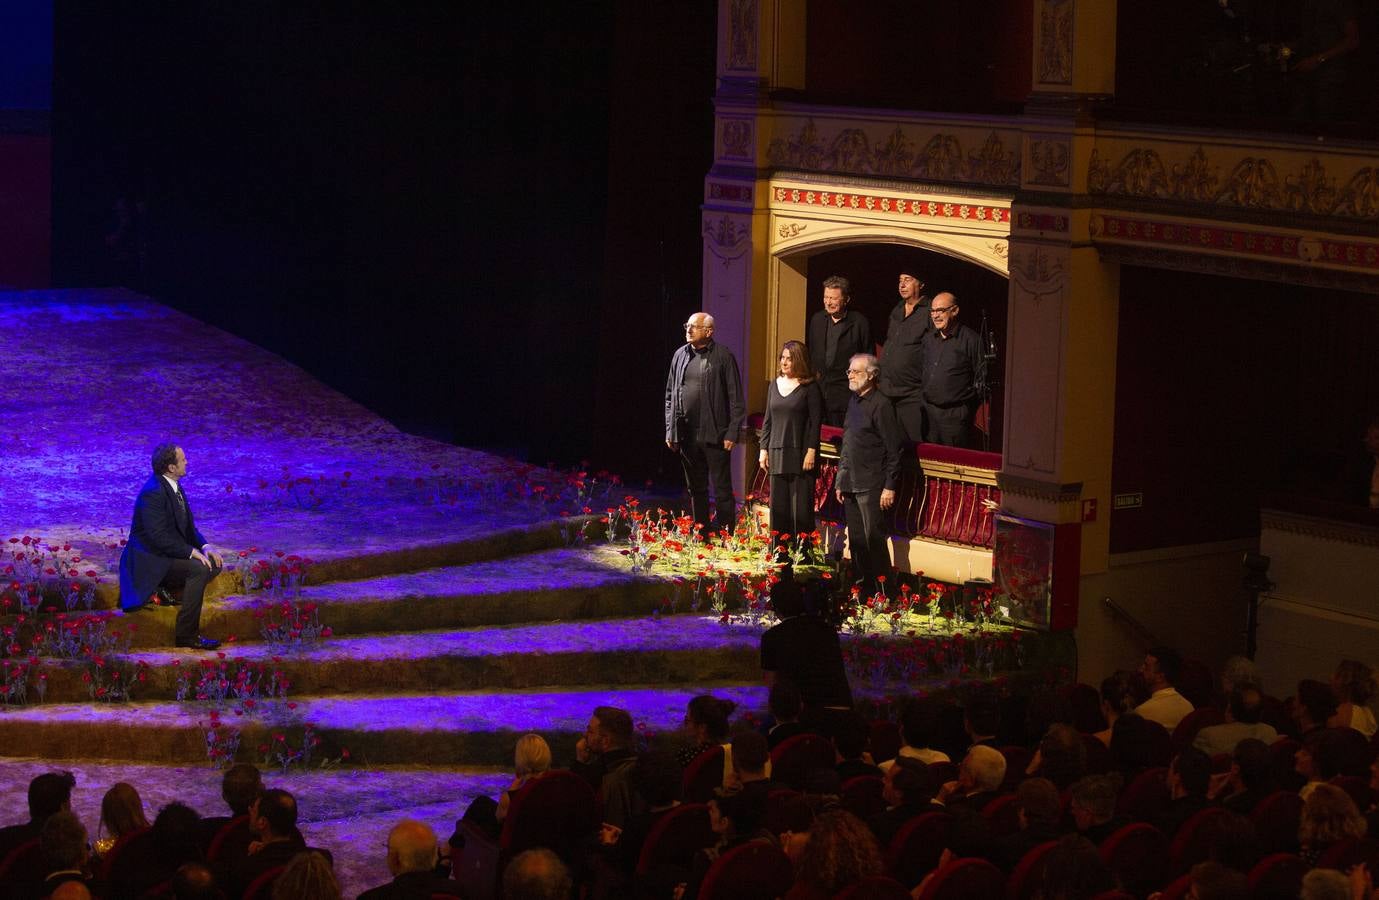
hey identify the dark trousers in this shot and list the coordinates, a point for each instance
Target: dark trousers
(949, 425)
(909, 411)
(867, 537)
(792, 503)
(702, 462)
(192, 577)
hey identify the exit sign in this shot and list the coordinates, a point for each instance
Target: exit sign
(1129, 501)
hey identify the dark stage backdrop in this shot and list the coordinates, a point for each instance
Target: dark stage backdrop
(412, 201)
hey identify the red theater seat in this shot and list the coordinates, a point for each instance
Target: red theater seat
(877, 887)
(1027, 878)
(676, 837)
(965, 879)
(1136, 854)
(917, 846)
(755, 871)
(794, 758)
(1191, 844)
(1002, 814)
(861, 796)
(1146, 796)
(1278, 877)
(1276, 822)
(702, 775)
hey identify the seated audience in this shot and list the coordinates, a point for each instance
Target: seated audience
(1161, 669)
(1329, 752)
(176, 839)
(981, 719)
(1074, 870)
(804, 649)
(537, 875)
(909, 791)
(1242, 720)
(749, 763)
(1093, 807)
(1240, 671)
(411, 860)
(122, 813)
(1039, 811)
(604, 757)
(656, 779)
(1328, 816)
(1061, 757)
(1117, 699)
(310, 876)
(1354, 687)
(195, 881)
(49, 793)
(62, 839)
(784, 703)
(1232, 841)
(706, 721)
(273, 820)
(736, 818)
(1133, 740)
(1189, 776)
(918, 726)
(531, 760)
(1313, 706)
(980, 776)
(1213, 881)
(850, 744)
(839, 852)
(1043, 709)
(240, 786)
(1251, 777)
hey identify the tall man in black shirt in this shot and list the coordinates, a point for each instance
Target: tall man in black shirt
(704, 412)
(902, 373)
(835, 334)
(868, 470)
(954, 373)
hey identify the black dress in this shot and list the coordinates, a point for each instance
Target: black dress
(790, 428)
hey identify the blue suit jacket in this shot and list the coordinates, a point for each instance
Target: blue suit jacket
(155, 541)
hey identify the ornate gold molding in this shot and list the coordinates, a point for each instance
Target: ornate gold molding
(726, 237)
(1322, 529)
(1056, 41)
(1043, 491)
(790, 229)
(742, 35)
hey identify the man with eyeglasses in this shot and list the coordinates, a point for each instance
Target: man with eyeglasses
(902, 371)
(704, 411)
(868, 471)
(954, 372)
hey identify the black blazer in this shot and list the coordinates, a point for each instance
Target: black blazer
(870, 457)
(155, 540)
(854, 336)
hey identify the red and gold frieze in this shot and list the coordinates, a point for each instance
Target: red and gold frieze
(1200, 237)
(889, 203)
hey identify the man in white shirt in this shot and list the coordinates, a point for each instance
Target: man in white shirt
(1242, 721)
(1165, 705)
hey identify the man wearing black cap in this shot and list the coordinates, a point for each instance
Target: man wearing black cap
(902, 370)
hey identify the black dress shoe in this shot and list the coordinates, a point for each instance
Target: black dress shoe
(199, 643)
(164, 597)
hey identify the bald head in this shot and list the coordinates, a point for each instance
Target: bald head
(699, 329)
(71, 890)
(411, 847)
(943, 311)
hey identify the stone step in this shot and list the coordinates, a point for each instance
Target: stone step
(619, 651)
(532, 587)
(469, 728)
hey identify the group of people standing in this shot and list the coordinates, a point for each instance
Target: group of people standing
(925, 386)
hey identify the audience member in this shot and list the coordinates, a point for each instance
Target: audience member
(981, 719)
(1313, 706)
(122, 813)
(1045, 708)
(980, 776)
(1117, 699)
(604, 757)
(804, 649)
(839, 852)
(62, 839)
(1133, 742)
(1093, 807)
(908, 790)
(850, 744)
(1213, 881)
(411, 860)
(537, 875)
(1232, 841)
(736, 818)
(310, 876)
(1161, 669)
(706, 721)
(1328, 816)
(1061, 757)
(1189, 775)
(1039, 811)
(273, 819)
(239, 788)
(656, 779)
(1242, 720)
(1329, 752)
(784, 703)
(1251, 777)
(748, 763)
(195, 881)
(1240, 671)
(1354, 686)
(1327, 884)
(1074, 870)
(49, 793)
(175, 839)
(531, 760)
(918, 725)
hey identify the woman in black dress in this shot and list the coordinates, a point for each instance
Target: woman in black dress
(790, 441)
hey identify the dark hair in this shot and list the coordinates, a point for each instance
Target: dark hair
(746, 809)
(1247, 704)
(784, 700)
(1355, 681)
(919, 721)
(787, 596)
(841, 283)
(1169, 662)
(1213, 881)
(1317, 700)
(913, 780)
(537, 875)
(1232, 841)
(983, 714)
(176, 830)
(1339, 751)
(1097, 795)
(1255, 762)
(280, 809)
(1075, 869)
(62, 840)
(615, 724)
(657, 777)
(1118, 692)
(799, 360)
(851, 736)
(1194, 771)
(1039, 799)
(1132, 742)
(1044, 708)
(1063, 756)
(49, 793)
(240, 787)
(194, 881)
(712, 713)
(164, 455)
(750, 752)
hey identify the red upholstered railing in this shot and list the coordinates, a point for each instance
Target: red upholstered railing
(945, 492)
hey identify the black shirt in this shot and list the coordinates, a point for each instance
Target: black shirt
(954, 367)
(870, 455)
(902, 371)
(805, 650)
(831, 346)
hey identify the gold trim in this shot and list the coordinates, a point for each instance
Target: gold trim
(1319, 528)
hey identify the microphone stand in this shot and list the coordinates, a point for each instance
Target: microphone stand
(988, 338)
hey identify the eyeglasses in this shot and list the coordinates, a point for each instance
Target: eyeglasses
(689, 326)
(941, 311)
